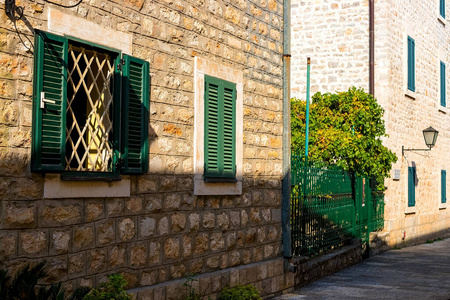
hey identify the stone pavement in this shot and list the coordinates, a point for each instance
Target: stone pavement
(418, 272)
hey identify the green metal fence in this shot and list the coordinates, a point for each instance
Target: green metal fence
(330, 206)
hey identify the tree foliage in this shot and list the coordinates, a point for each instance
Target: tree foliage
(345, 129)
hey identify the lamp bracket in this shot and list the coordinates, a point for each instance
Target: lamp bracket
(404, 150)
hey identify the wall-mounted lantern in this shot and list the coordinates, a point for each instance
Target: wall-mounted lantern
(430, 136)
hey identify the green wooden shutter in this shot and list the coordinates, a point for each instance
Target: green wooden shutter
(443, 186)
(443, 91)
(49, 127)
(442, 8)
(411, 186)
(411, 65)
(220, 129)
(135, 111)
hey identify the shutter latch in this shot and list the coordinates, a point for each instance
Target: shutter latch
(119, 163)
(120, 64)
(43, 100)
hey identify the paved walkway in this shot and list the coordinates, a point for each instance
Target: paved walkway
(418, 272)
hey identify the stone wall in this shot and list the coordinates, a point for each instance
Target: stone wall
(407, 114)
(335, 35)
(162, 231)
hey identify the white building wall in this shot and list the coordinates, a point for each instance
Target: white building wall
(335, 34)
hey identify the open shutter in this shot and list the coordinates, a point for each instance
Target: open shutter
(411, 65)
(212, 139)
(229, 130)
(411, 186)
(443, 186)
(443, 92)
(135, 112)
(220, 130)
(442, 8)
(49, 102)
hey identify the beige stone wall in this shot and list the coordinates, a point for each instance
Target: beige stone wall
(162, 231)
(407, 116)
(335, 35)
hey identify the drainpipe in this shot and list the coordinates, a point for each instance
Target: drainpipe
(372, 47)
(286, 183)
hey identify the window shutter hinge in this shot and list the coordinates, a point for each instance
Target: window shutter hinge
(120, 64)
(119, 163)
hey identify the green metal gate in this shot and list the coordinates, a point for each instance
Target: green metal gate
(330, 206)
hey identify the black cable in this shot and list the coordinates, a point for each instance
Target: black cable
(18, 34)
(65, 6)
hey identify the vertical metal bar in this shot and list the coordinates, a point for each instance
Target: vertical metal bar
(308, 84)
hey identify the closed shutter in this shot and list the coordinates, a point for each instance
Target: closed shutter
(443, 92)
(443, 186)
(411, 186)
(220, 129)
(49, 128)
(442, 8)
(135, 111)
(411, 65)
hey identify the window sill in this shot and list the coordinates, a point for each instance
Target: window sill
(441, 19)
(56, 188)
(89, 176)
(443, 109)
(410, 94)
(410, 210)
(442, 206)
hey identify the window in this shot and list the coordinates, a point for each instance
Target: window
(442, 8)
(443, 186)
(411, 186)
(411, 65)
(442, 85)
(90, 109)
(220, 128)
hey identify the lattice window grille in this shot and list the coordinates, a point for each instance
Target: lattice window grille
(89, 133)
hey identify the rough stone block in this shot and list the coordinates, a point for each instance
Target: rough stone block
(201, 243)
(96, 261)
(138, 255)
(133, 205)
(147, 227)
(126, 229)
(19, 214)
(77, 265)
(33, 243)
(83, 238)
(117, 256)
(105, 232)
(60, 241)
(8, 245)
(94, 211)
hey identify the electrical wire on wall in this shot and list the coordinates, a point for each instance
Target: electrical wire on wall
(65, 6)
(16, 13)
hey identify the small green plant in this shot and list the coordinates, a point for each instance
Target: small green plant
(114, 288)
(191, 293)
(241, 292)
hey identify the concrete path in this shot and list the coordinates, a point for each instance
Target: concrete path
(418, 272)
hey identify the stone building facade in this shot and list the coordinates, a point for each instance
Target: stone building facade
(335, 34)
(158, 227)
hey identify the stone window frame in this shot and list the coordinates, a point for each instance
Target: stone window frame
(442, 205)
(441, 18)
(409, 32)
(442, 58)
(410, 209)
(64, 24)
(204, 67)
